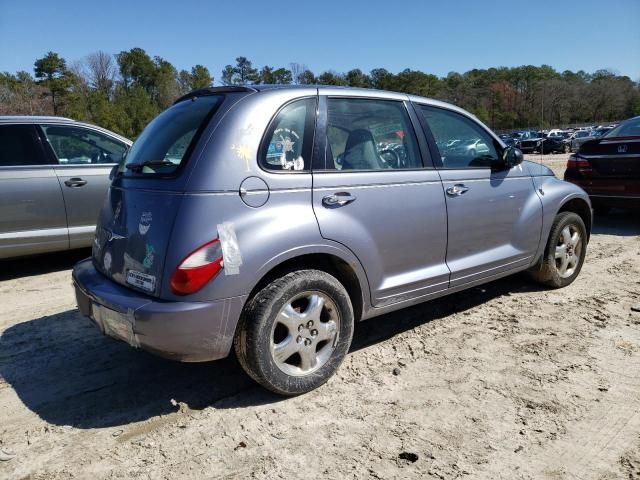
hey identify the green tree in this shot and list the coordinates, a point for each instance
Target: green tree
(242, 74)
(136, 68)
(306, 77)
(332, 78)
(199, 77)
(51, 70)
(356, 78)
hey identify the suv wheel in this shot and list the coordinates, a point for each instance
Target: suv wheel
(565, 251)
(295, 332)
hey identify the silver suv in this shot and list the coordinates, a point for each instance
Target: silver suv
(271, 219)
(54, 174)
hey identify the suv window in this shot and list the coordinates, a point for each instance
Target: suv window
(365, 134)
(19, 145)
(290, 136)
(167, 141)
(462, 143)
(79, 146)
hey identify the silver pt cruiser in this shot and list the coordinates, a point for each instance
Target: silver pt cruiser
(272, 218)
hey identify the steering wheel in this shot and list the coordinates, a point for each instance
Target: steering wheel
(396, 158)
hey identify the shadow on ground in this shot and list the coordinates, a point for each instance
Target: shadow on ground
(617, 222)
(41, 264)
(66, 372)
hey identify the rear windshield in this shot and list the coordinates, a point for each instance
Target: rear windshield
(630, 128)
(168, 140)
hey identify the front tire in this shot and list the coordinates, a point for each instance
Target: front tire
(295, 332)
(565, 251)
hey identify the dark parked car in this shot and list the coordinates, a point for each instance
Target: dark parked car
(529, 141)
(553, 144)
(54, 174)
(508, 139)
(579, 137)
(608, 168)
(232, 224)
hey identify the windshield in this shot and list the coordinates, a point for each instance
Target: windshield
(167, 141)
(630, 128)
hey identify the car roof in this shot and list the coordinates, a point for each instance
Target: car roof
(42, 119)
(34, 119)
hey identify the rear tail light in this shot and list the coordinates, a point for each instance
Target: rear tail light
(578, 163)
(198, 268)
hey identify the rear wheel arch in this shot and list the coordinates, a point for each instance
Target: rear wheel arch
(326, 262)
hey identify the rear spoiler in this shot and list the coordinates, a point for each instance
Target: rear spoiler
(214, 91)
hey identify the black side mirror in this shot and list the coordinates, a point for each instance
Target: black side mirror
(113, 172)
(512, 156)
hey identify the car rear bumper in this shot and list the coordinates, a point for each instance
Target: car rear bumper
(606, 192)
(185, 331)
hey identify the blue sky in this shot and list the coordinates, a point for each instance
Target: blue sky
(436, 37)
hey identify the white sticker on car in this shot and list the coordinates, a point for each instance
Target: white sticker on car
(145, 222)
(141, 280)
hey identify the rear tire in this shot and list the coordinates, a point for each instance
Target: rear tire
(564, 253)
(295, 332)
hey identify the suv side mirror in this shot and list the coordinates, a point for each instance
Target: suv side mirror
(512, 156)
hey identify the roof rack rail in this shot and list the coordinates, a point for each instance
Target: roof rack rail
(213, 90)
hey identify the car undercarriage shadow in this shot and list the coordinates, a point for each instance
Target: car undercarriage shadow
(65, 371)
(617, 222)
(41, 264)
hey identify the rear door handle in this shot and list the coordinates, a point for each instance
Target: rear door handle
(75, 182)
(338, 199)
(457, 190)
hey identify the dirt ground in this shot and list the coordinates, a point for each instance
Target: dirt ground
(504, 381)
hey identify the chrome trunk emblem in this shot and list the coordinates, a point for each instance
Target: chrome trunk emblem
(622, 148)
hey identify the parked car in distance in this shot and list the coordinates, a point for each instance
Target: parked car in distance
(230, 245)
(508, 139)
(529, 141)
(579, 137)
(608, 167)
(54, 173)
(553, 144)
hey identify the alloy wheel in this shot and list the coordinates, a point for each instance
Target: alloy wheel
(568, 251)
(305, 333)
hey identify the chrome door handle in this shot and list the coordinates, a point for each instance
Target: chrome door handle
(75, 182)
(457, 190)
(338, 199)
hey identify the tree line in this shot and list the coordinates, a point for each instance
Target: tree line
(123, 92)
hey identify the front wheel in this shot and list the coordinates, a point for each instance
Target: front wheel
(565, 251)
(567, 149)
(295, 332)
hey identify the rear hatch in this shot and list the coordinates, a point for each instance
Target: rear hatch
(137, 218)
(613, 157)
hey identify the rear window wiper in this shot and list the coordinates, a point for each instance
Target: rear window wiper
(137, 167)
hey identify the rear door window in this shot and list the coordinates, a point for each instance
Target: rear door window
(20, 146)
(81, 146)
(166, 143)
(289, 137)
